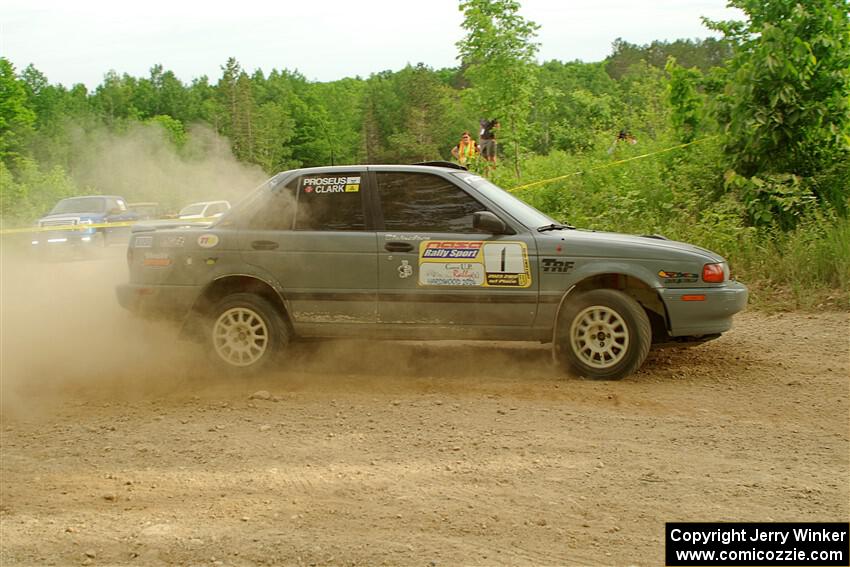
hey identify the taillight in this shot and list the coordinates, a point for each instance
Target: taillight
(713, 273)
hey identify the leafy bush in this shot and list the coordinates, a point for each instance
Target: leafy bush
(682, 195)
(32, 192)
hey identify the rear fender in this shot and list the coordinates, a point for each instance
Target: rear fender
(251, 281)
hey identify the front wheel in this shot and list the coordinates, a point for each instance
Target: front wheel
(246, 333)
(603, 334)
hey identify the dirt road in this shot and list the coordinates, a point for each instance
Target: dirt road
(118, 449)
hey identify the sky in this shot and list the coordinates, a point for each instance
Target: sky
(80, 41)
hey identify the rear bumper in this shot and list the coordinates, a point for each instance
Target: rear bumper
(711, 315)
(166, 301)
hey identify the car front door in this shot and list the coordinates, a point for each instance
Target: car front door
(312, 236)
(435, 269)
(118, 212)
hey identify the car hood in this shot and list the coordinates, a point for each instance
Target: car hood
(618, 245)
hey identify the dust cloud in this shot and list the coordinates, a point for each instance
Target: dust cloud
(61, 328)
(64, 338)
(62, 333)
(142, 164)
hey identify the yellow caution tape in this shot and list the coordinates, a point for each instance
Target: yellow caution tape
(85, 227)
(606, 165)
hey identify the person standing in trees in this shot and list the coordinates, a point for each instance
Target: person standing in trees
(488, 142)
(466, 150)
(622, 136)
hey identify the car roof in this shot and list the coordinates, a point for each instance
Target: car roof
(449, 168)
(94, 196)
(206, 203)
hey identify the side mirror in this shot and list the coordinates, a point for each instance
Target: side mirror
(485, 221)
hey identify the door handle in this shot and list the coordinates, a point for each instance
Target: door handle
(264, 245)
(398, 247)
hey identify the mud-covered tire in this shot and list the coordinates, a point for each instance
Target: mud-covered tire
(603, 334)
(245, 334)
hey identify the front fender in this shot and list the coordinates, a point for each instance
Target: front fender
(638, 269)
(586, 271)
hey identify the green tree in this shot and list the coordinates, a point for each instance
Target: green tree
(382, 111)
(173, 128)
(703, 54)
(786, 103)
(31, 191)
(424, 125)
(575, 103)
(644, 108)
(498, 54)
(16, 115)
(685, 100)
(235, 94)
(114, 98)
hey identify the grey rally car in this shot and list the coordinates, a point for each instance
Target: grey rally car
(421, 252)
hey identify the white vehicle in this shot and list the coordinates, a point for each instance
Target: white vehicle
(204, 210)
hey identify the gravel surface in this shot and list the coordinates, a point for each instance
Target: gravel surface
(120, 448)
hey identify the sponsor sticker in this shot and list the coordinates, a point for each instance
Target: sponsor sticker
(678, 277)
(143, 242)
(208, 240)
(172, 241)
(434, 273)
(405, 270)
(156, 259)
(473, 263)
(556, 265)
(337, 184)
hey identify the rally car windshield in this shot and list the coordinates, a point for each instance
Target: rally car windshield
(524, 213)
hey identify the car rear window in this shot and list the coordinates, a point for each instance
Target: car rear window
(330, 201)
(192, 209)
(215, 209)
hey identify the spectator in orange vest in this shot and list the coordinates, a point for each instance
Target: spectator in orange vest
(466, 150)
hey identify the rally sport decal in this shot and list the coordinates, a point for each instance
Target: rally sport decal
(473, 263)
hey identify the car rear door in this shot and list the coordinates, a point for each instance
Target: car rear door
(313, 236)
(435, 270)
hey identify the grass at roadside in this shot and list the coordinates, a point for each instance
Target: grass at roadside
(682, 197)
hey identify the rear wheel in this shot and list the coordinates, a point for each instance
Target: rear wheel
(603, 334)
(246, 333)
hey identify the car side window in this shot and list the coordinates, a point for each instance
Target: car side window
(330, 201)
(422, 202)
(276, 211)
(215, 209)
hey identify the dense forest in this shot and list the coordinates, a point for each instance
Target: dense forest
(741, 144)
